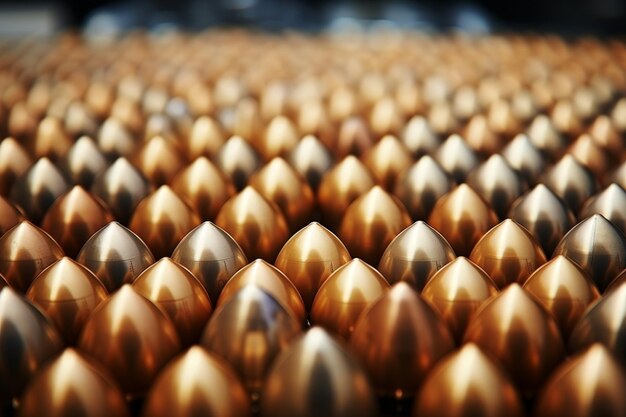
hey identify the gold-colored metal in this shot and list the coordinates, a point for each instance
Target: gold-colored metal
(605, 134)
(571, 181)
(114, 137)
(480, 137)
(457, 290)
(419, 138)
(14, 162)
(317, 367)
(611, 203)
(399, 338)
(545, 137)
(387, 160)
(9, 215)
(467, 383)
(197, 383)
(83, 162)
(523, 157)
(205, 138)
(353, 138)
(51, 140)
(159, 160)
(279, 138)
(344, 295)
(311, 159)
(619, 280)
(130, 337)
(456, 157)
(589, 154)
(237, 160)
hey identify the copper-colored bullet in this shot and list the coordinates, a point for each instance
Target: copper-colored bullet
(115, 140)
(159, 160)
(309, 257)
(211, 255)
(480, 137)
(317, 367)
(598, 247)
(419, 138)
(83, 162)
(604, 134)
(456, 157)
(203, 186)
(28, 340)
(197, 383)
(387, 160)
(67, 292)
(279, 183)
(590, 384)
(9, 215)
(279, 138)
(462, 217)
(21, 123)
(518, 332)
(385, 117)
(341, 185)
(508, 253)
(442, 119)
(72, 386)
(271, 280)
(79, 120)
(589, 154)
(162, 219)
(179, 294)
(565, 119)
(131, 337)
(611, 203)
(571, 181)
(345, 294)
(121, 187)
(523, 157)
(603, 322)
(51, 140)
(311, 159)
(398, 339)
(115, 255)
(25, 251)
(238, 160)
(354, 138)
(249, 331)
(467, 383)
(204, 139)
(545, 137)
(36, 190)
(457, 290)
(14, 162)
(255, 223)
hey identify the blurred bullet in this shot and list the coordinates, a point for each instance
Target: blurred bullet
(79, 120)
(159, 160)
(311, 159)
(130, 337)
(398, 339)
(255, 223)
(589, 154)
(271, 280)
(197, 383)
(387, 160)
(571, 181)
(25, 251)
(28, 340)
(14, 162)
(523, 157)
(604, 134)
(161, 220)
(115, 140)
(115, 255)
(9, 215)
(83, 162)
(618, 176)
(457, 290)
(442, 119)
(36, 190)
(179, 294)
(545, 137)
(480, 137)
(205, 138)
(237, 160)
(611, 203)
(51, 141)
(419, 138)
(565, 119)
(279, 138)
(344, 295)
(518, 332)
(598, 247)
(589, 384)
(462, 217)
(456, 158)
(353, 138)
(317, 367)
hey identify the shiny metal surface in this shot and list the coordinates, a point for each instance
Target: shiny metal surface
(114, 137)
(14, 162)
(205, 138)
(605, 134)
(522, 156)
(83, 162)
(354, 138)
(237, 160)
(571, 181)
(419, 138)
(545, 137)
(456, 158)
(279, 138)
(51, 140)
(386, 160)
(311, 159)
(480, 137)
(591, 155)
(159, 160)
(611, 203)
(9, 215)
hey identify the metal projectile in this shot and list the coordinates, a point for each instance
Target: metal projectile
(611, 203)
(456, 157)
(571, 181)
(83, 162)
(237, 160)
(387, 160)
(523, 157)
(311, 159)
(14, 162)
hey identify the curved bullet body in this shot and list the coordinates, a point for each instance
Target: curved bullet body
(205, 138)
(611, 203)
(279, 138)
(9, 215)
(387, 160)
(159, 160)
(237, 160)
(83, 162)
(311, 159)
(419, 138)
(456, 158)
(571, 181)
(14, 162)
(523, 157)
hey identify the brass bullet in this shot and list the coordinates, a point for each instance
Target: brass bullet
(419, 138)
(83, 162)
(249, 331)
(279, 183)
(21, 122)
(589, 384)
(605, 134)
(611, 203)
(179, 294)
(79, 120)
(72, 386)
(442, 119)
(344, 295)
(618, 176)
(255, 223)
(589, 154)
(131, 337)
(36, 190)
(313, 119)
(205, 138)
(545, 137)
(462, 217)
(598, 247)
(9, 215)
(353, 138)
(399, 338)
(518, 332)
(194, 384)
(51, 140)
(114, 138)
(279, 138)
(73, 218)
(211, 255)
(271, 280)
(523, 157)
(115, 255)
(457, 290)
(311, 159)
(387, 160)
(121, 186)
(162, 219)
(25, 251)
(237, 160)
(14, 162)
(571, 181)
(545, 216)
(67, 292)
(28, 340)
(565, 119)
(508, 253)
(480, 137)
(456, 157)
(414, 255)
(385, 118)
(469, 383)
(317, 367)
(159, 160)
(501, 118)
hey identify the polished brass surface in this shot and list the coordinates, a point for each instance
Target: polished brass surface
(131, 337)
(419, 138)
(115, 255)
(114, 137)
(179, 294)
(611, 203)
(480, 137)
(605, 134)
(159, 160)
(83, 162)
(237, 160)
(456, 158)
(589, 154)
(467, 383)
(457, 290)
(205, 138)
(311, 159)
(571, 181)
(9, 215)
(545, 137)
(344, 295)
(387, 160)
(353, 138)
(279, 138)
(317, 367)
(523, 157)
(51, 140)
(398, 338)
(14, 162)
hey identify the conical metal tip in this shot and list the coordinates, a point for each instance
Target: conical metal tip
(159, 160)
(51, 140)
(114, 138)
(9, 215)
(279, 138)
(387, 160)
(571, 181)
(610, 203)
(237, 160)
(83, 162)
(606, 135)
(354, 138)
(419, 138)
(523, 157)
(545, 137)
(480, 137)
(14, 162)
(205, 138)
(311, 159)
(456, 157)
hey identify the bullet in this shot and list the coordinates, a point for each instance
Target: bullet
(480, 137)
(114, 138)
(279, 138)
(51, 140)
(469, 383)
(9, 215)
(605, 134)
(385, 117)
(589, 154)
(456, 291)
(311, 159)
(130, 337)
(159, 160)
(313, 119)
(72, 385)
(197, 383)
(565, 119)
(115, 255)
(456, 158)
(205, 138)
(354, 138)
(523, 157)
(314, 367)
(419, 138)
(387, 160)
(83, 162)
(545, 137)
(14, 162)
(610, 203)
(571, 181)
(237, 160)
(79, 120)
(442, 119)
(618, 175)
